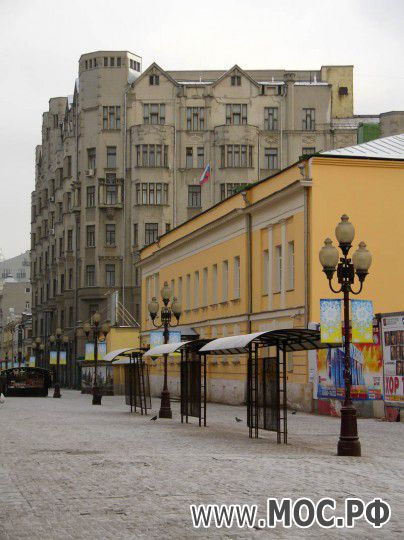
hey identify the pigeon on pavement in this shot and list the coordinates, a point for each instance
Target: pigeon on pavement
(238, 419)
(154, 418)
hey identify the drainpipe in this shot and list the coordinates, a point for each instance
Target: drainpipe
(76, 280)
(124, 202)
(249, 261)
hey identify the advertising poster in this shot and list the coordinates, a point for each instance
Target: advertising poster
(104, 378)
(362, 321)
(330, 321)
(393, 357)
(53, 358)
(31, 362)
(366, 368)
(89, 353)
(156, 337)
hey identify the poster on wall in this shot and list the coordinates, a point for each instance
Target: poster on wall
(366, 368)
(393, 357)
(104, 378)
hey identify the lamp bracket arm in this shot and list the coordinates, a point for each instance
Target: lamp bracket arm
(358, 291)
(332, 288)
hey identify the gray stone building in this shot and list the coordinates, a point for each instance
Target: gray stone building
(120, 163)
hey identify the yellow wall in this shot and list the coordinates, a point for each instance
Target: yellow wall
(341, 106)
(371, 193)
(119, 338)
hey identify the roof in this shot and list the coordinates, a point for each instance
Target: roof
(385, 148)
(288, 339)
(109, 357)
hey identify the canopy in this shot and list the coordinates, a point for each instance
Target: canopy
(167, 348)
(109, 357)
(289, 339)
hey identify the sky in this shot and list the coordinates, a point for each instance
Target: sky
(42, 40)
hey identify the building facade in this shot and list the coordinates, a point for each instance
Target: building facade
(250, 263)
(120, 162)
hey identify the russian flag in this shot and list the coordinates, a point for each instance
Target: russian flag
(205, 175)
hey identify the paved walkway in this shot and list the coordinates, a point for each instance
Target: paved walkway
(69, 470)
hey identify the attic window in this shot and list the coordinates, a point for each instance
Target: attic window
(154, 80)
(235, 80)
(343, 90)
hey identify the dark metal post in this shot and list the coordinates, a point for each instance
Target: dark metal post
(165, 407)
(56, 392)
(348, 444)
(97, 396)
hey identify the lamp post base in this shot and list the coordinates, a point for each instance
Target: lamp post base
(56, 391)
(165, 407)
(349, 444)
(97, 396)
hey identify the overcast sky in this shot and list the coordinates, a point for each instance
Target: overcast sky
(41, 41)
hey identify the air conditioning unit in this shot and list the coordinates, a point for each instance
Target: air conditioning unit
(90, 172)
(51, 199)
(52, 232)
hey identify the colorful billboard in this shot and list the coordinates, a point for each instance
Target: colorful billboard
(157, 338)
(366, 367)
(393, 357)
(89, 352)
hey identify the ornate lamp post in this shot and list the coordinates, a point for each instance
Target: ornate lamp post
(165, 318)
(348, 444)
(58, 339)
(97, 331)
(38, 348)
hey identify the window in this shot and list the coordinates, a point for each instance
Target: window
(69, 201)
(111, 189)
(235, 80)
(118, 61)
(154, 80)
(68, 166)
(180, 289)
(195, 118)
(194, 196)
(200, 157)
(105, 61)
(110, 234)
(236, 282)
(229, 189)
(112, 61)
(90, 235)
(265, 272)
(135, 234)
(309, 122)
(70, 278)
(291, 266)
(70, 316)
(92, 309)
(236, 114)
(70, 240)
(90, 275)
(308, 150)
(90, 196)
(214, 284)
(271, 158)
(55, 121)
(225, 281)
(111, 117)
(111, 157)
(151, 193)
(271, 118)
(188, 292)
(91, 158)
(62, 283)
(278, 268)
(189, 160)
(204, 287)
(151, 233)
(154, 113)
(168, 227)
(236, 155)
(196, 290)
(110, 275)
(151, 155)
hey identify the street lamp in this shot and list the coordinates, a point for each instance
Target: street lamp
(348, 444)
(58, 339)
(38, 348)
(165, 318)
(97, 332)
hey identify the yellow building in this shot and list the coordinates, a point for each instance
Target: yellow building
(250, 263)
(120, 337)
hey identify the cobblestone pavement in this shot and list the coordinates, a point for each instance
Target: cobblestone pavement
(69, 470)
